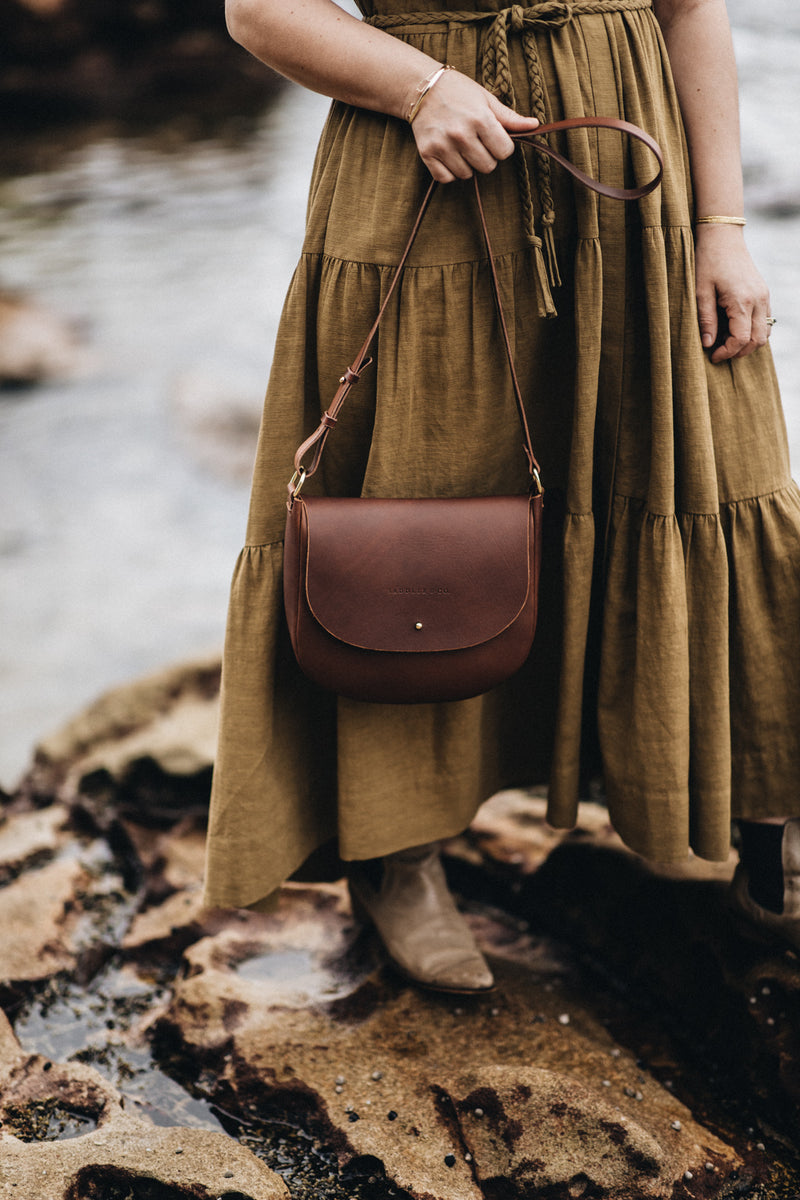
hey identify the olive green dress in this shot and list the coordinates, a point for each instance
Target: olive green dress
(667, 649)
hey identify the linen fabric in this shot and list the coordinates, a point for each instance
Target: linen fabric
(667, 647)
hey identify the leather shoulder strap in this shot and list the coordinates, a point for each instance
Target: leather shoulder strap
(353, 372)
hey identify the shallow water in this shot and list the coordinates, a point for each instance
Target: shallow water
(117, 540)
(120, 518)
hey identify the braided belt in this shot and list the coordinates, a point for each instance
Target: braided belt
(524, 21)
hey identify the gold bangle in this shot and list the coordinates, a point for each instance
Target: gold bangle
(423, 89)
(715, 220)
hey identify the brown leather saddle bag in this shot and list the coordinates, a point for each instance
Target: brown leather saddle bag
(415, 600)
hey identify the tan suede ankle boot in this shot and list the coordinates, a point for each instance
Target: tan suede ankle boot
(416, 917)
(783, 926)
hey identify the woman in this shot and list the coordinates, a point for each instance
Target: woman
(667, 645)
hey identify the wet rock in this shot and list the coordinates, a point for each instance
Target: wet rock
(37, 345)
(541, 1088)
(28, 839)
(665, 930)
(132, 58)
(9, 1046)
(162, 924)
(282, 1007)
(38, 922)
(65, 1134)
(148, 745)
(511, 829)
(173, 859)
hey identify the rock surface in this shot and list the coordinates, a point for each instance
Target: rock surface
(118, 1152)
(141, 739)
(521, 1086)
(636, 1046)
(37, 345)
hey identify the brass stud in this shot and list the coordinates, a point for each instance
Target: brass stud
(418, 625)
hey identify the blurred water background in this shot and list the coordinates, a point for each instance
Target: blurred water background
(123, 494)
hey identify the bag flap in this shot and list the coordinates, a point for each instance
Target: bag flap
(417, 575)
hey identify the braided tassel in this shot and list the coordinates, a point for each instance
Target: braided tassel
(553, 273)
(544, 295)
(546, 307)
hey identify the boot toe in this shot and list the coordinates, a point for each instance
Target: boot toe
(469, 975)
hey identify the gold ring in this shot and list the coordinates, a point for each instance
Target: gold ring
(772, 320)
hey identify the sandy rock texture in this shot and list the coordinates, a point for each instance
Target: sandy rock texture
(637, 1044)
(152, 740)
(450, 1096)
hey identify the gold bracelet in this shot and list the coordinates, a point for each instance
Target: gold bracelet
(423, 90)
(715, 220)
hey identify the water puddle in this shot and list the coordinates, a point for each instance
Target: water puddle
(47, 1121)
(97, 1025)
(297, 977)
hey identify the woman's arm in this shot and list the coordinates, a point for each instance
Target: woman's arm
(460, 126)
(698, 40)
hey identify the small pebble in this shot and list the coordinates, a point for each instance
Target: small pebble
(676, 1125)
(353, 1116)
(178, 1149)
(348, 1108)
(467, 1158)
(765, 991)
(753, 1000)
(391, 1115)
(227, 1174)
(376, 1075)
(615, 1053)
(710, 1167)
(338, 1089)
(638, 1096)
(770, 1020)
(339, 1081)
(688, 1176)
(606, 1083)
(478, 1112)
(449, 1160)
(564, 1019)
(494, 1012)
(760, 1146)
(629, 1091)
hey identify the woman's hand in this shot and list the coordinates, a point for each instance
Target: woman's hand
(461, 128)
(732, 298)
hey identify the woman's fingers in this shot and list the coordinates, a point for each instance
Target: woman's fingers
(707, 315)
(461, 128)
(447, 171)
(738, 339)
(732, 298)
(747, 329)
